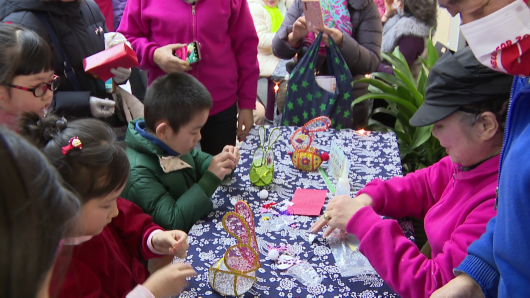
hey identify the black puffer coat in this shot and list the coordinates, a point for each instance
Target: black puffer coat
(74, 24)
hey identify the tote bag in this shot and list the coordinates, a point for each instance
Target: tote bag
(306, 100)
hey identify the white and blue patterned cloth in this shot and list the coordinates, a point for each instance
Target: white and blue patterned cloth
(372, 156)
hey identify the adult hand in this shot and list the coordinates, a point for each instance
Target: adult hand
(336, 34)
(339, 211)
(169, 280)
(173, 242)
(165, 58)
(234, 150)
(101, 107)
(246, 119)
(462, 286)
(390, 11)
(222, 164)
(121, 75)
(300, 31)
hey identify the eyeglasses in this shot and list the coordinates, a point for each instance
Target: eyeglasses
(41, 88)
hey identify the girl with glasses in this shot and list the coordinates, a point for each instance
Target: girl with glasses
(27, 81)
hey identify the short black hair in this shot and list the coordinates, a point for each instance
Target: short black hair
(175, 98)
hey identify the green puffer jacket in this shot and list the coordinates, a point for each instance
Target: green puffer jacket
(177, 199)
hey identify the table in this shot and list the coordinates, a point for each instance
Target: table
(373, 155)
(280, 72)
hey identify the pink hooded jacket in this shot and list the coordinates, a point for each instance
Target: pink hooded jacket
(456, 206)
(225, 30)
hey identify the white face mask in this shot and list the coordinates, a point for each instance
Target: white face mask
(501, 40)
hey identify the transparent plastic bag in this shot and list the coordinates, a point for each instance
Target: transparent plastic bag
(348, 258)
(305, 274)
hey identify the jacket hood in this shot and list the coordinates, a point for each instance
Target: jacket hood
(55, 8)
(135, 141)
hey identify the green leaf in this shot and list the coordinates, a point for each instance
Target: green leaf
(421, 135)
(379, 85)
(422, 82)
(405, 93)
(388, 78)
(431, 51)
(373, 89)
(406, 106)
(411, 85)
(403, 136)
(398, 64)
(384, 111)
(375, 125)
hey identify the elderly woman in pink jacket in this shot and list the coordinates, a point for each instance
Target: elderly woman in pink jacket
(466, 102)
(228, 47)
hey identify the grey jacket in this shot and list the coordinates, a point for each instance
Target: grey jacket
(361, 50)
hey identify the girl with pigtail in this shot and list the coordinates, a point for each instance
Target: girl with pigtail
(114, 235)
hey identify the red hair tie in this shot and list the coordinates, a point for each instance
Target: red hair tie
(74, 142)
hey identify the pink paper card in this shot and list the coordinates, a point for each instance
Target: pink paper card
(308, 201)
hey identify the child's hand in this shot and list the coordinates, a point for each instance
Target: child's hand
(169, 280)
(234, 150)
(223, 164)
(173, 242)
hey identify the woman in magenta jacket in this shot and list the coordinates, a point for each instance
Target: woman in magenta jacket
(228, 46)
(466, 102)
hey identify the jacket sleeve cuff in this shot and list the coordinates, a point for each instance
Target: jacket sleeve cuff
(371, 189)
(481, 272)
(209, 183)
(150, 243)
(140, 292)
(75, 104)
(362, 221)
(247, 104)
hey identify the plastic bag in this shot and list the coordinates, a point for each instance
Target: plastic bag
(305, 274)
(348, 258)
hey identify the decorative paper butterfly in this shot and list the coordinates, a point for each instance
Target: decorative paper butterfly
(262, 168)
(235, 273)
(305, 157)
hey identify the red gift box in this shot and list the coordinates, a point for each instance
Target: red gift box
(99, 65)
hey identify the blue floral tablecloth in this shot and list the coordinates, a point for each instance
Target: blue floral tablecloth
(372, 156)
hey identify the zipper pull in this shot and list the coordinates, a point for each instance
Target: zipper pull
(193, 9)
(496, 198)
(454, 175)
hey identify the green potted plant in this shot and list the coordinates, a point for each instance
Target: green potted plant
(404, 95)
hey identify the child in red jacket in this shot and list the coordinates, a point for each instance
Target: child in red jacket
(116, 236)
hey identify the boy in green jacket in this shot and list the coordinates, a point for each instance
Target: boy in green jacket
(169, 179)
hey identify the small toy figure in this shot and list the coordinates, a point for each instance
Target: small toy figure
(262, 168)
(305, 157)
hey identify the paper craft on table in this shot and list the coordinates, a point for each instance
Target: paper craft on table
(308, 201)
(337, 161)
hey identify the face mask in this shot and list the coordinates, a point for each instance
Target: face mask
(501, 40)
(397, 10)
